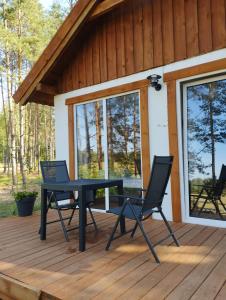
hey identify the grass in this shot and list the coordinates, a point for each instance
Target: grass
(7, 203)
(9, 208)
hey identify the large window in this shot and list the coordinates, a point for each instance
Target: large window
(109, 140)
(89, 133)
(205, 145)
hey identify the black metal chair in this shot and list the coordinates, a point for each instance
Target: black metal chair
(57, 172)
(140, 209)
(211, 194)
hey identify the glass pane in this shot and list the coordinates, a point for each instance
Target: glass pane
(206, 142)
(123, 135)
(89, 134)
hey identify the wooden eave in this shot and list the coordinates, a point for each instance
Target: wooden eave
(34, 87)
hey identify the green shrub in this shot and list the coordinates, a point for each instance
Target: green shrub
(21, 195)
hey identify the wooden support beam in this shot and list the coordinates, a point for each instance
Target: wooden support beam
(42, 98)
(109, 92)
(104, 7)
(71, 141)
(173, 145)
(17, 290)
(208, 67)
(47, 89)
(144, 118)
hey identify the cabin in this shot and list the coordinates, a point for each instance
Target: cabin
(130, 79)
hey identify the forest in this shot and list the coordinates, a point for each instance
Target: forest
(26, 132)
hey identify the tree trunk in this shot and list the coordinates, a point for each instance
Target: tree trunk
(29, 140)
(126, 134)
(110, 138)
(88, 148)
(212, 137)
(98, 135)
(6, 149)
(11, 128)
(135, 137)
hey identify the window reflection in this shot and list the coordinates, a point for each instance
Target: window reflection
(89, 133)
(206, 146)
(124, 151)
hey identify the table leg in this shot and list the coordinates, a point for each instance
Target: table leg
(43, 214)
(122, 220)
(82, 219)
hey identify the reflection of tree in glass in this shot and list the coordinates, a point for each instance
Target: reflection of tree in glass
(195, 160)
(89, 136)
(123, 135)
(209, 127)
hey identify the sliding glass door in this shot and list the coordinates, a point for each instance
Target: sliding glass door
(109, 141)
(205, 147)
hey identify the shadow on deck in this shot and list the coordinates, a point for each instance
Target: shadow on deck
(55, 269)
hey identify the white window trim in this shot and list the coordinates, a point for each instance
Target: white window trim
(203, 78)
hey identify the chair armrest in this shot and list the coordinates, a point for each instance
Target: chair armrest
(142, 190)
(131, 199)
(204, 186)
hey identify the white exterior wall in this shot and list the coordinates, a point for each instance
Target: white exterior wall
(158, 120)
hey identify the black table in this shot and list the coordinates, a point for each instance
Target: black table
(82, 186)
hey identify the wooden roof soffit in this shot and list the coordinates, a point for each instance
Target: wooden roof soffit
(68, 29)
(42, 98)
(104, 7)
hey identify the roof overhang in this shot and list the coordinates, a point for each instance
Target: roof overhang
(34, 88)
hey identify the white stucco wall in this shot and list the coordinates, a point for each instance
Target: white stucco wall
(158, 121)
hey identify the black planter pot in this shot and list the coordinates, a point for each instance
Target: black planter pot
(25, 206)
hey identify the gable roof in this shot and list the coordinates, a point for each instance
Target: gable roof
(34, 87)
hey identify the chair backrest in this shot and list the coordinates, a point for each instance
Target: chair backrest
(220, 182)
(161, 169)
(54, 171)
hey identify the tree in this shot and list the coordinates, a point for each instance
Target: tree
(208, 128)
(25, 29)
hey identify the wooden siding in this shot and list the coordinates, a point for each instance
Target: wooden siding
(143, 34)
(195, 270)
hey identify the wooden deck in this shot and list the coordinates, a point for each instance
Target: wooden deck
(196, 270)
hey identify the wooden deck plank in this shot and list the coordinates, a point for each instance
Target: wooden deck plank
(131, 255)
(126, 271)
(99, 258)
(214, 282)
(222, 293)
(190, 258)
(36, 257)
(169, 263)
(124, 284)
(193, 281)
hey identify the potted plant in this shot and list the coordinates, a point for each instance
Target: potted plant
(25, 202)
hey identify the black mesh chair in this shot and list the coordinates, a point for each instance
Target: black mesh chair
(211, 194)
(57, 172)
(140, 209)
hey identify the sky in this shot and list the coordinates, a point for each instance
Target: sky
(46, 3)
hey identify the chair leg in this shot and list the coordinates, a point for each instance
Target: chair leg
(169, 228)
(201, 209)
(134, 230)
(151, 247)
(48, 207)
(62, 222)
(197, 200)
(195, 204)
(92, 217)
(115, 227)
(217, 209)
(222, 204)
(71, 217)
(113, 233)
